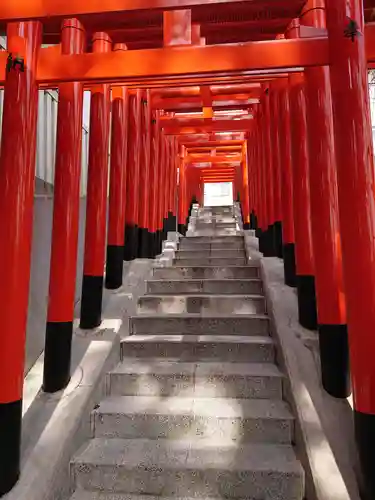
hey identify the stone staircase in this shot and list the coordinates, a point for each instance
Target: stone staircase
(195, 408)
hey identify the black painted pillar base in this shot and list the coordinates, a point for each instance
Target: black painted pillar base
(152, 244)
(334, 360)
(57, 356)
(172, 222)
(10, 444)
(91, 302)
(252, 220)
(364, 430)
(278, 238)
(159, 241)
(307, 314)
(258, 232)
(289, 264)
(262, 240)
(143, 243)
(114, 267)
(182, 229)
(131, 242)
(165, 228)
(246, 226)
(269, 248)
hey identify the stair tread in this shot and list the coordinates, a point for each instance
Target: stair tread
(207, 295)
(233, 339)
(102, 495)
(197, 454)
(198, 280)
(234, 316)
(196, 406)
(162, 366)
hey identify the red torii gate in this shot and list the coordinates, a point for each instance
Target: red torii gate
(310, 197)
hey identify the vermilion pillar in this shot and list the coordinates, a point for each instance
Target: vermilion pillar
(263, 191)
(163, 170)
(250, 170)
(132, 176)
(182, 213)
(63, 269)
(117, 186)
(305, 277)
(276, 166)
(333, 338)
(154, 183)
(268, 237)
(17, 171)
(168, 182)
(175, 160)
(144, 249)
(355, 175)
(287, 185)
(96, 206)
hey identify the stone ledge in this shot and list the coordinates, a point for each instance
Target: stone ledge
(324, 435)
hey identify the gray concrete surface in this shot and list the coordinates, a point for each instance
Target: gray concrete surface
(177, 286)
(206, 272)
(230, 348)
(193, 415)
(158, 377)
(202, 304)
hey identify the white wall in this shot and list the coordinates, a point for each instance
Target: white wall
(218, 194)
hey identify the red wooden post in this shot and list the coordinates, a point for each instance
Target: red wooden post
(305, 277)
(117, 186)
(355, 178)
(63, 270)
(96, 206)
(287, 185)
(17, 164)
(144, 248)
(333, 337)
(276, 165)
(132, 176)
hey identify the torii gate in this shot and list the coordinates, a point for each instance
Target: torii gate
(310, 190)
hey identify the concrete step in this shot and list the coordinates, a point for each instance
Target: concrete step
(99, 495)
(214, 239)
(201, 304)
(211, 261)
(204, 254)
(216, 233)
(189, 468)
(206, 272)
(228, 286)
(172, 377)
(185, 244)
(174, 417)
(197, 324)
(229, 348)
(202, 224)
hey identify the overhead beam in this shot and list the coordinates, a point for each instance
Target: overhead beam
(37, 9)
(149, 64)
(209, 144)
(194, 127)
(213, 159)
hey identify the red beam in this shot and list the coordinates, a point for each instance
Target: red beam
(213, 159)
(210, 144)
(36, 9)
(182, 61)
(174, 127)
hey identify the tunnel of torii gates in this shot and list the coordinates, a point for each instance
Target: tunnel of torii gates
(272, 96)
